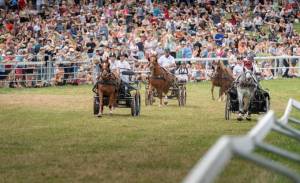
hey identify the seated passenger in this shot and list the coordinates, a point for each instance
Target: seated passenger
(182, 73)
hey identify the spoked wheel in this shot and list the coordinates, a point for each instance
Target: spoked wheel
(227, 108)
(267, 101)
(135, 105)
(96, 104)
(138, 103)
(180, 97)
(183, 96)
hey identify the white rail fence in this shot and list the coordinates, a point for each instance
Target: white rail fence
(80, 70)
(215, 160)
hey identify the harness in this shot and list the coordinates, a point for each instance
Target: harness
(158, 77)
(246, 84)
(110, 79)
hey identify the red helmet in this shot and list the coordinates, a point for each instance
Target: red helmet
(248, 64)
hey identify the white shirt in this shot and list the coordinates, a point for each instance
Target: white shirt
(237, 70)
(257, 21)
(114, 65)
(166, 61)
(124, 66)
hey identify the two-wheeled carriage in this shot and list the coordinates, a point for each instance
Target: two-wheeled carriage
(177, 92)
(128, 96)
(260, 103)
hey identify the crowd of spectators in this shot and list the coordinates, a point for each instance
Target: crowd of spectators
(90, 31)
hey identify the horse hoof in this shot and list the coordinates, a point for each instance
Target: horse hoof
(240, 117)
(166, 103)
(99, 115)
(248, 118)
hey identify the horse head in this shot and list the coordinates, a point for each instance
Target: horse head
(247, 79)
(248, 76)
(105, 70)
(152, 63)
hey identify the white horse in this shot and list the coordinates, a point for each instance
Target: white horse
(246, 87)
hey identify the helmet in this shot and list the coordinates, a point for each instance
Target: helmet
(248, 64)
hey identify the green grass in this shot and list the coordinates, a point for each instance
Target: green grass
(50, 135)
(297, 27)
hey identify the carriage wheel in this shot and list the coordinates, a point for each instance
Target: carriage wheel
(179, 97)
(267, 101)
(96, 105)
(227, 108)
(138, 103)
(184, 96)
(133, 107)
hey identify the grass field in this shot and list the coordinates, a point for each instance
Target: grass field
(297, 27)
(50, 135)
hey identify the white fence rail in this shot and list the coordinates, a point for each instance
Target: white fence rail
(214, 161)
(46, 71)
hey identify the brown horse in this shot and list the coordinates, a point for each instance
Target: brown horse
(107, 85)
(160, 79)
(223, 78)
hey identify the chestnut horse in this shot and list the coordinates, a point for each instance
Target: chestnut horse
(160, 79)
(107, 85)
(223, 78)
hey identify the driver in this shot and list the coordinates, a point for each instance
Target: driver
(114, 64)
(124, 66)
(167, 61)
(182, 73)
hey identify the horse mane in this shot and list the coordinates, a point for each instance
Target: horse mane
(225, 69)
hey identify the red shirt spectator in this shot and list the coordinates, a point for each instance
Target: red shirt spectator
(9, 26)
(233, 20)
(22, 4)
(166, 13)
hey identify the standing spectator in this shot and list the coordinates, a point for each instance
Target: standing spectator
(91, 45)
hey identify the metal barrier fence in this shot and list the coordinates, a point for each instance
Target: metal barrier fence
(215, 160)
(77, 72)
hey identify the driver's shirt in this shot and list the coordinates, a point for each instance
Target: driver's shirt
(166, 61)
(124, 66)
(114, 66)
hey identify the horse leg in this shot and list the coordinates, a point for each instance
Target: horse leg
(166, 99)
(246, 106)
(100, 104)
(220, 94)
(248, 114)
(160, 98)
(212, 92)
(111, 103)
(240, 99)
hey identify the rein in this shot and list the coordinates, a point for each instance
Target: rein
(244, 83)
(110, 79)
